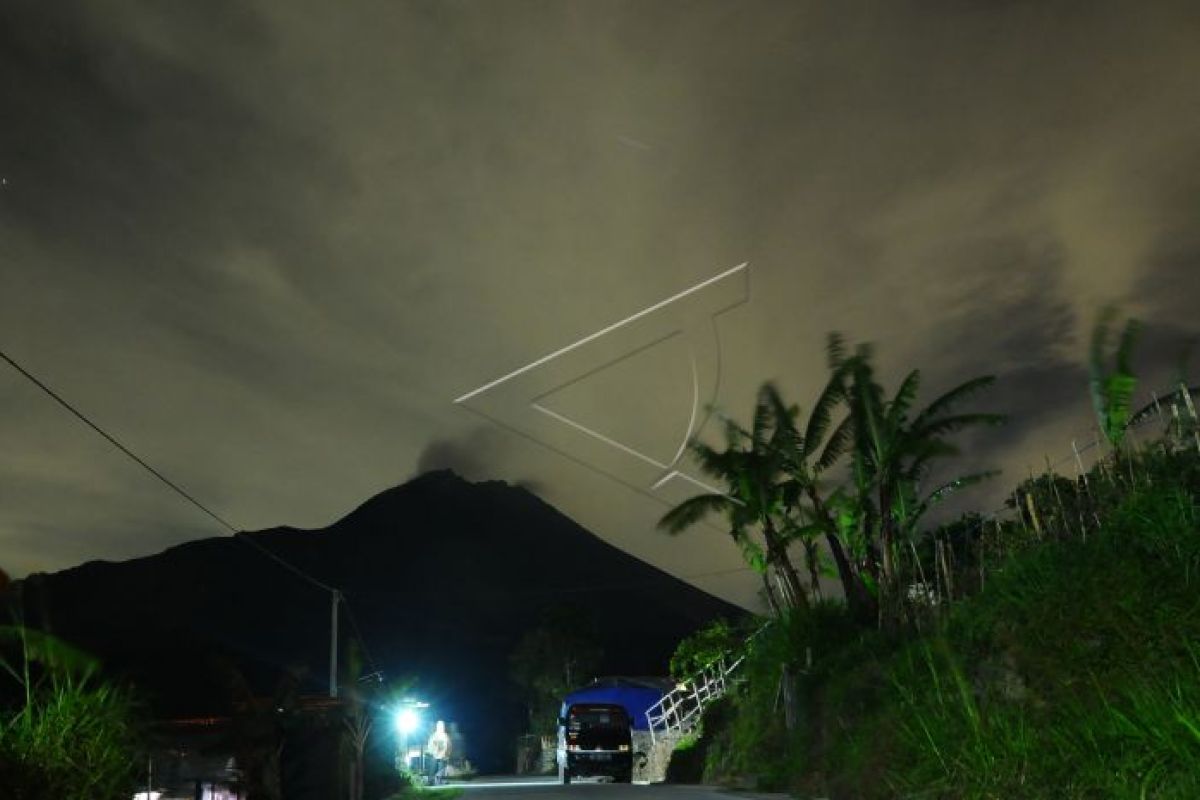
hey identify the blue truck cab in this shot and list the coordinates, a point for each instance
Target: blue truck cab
(597, 723)
(595, 739)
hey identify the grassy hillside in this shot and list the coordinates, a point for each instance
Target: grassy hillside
(1072, 672)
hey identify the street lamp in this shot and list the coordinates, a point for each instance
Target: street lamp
(407, 721)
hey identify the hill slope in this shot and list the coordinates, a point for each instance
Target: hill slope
(442, 576)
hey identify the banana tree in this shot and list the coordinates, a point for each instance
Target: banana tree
(750, 470)
(1112, 389)
(807, 455)
(893, 447)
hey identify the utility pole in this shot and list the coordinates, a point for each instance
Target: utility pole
(333, 643)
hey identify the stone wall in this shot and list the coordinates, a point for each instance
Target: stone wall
(650, 758)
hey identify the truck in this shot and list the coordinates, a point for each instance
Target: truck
(595, 740)
(599, 724)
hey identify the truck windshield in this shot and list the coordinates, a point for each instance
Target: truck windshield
(585, 718)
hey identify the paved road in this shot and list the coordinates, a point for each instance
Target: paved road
(543, 789)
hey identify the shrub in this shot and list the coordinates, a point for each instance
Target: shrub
(73, 736)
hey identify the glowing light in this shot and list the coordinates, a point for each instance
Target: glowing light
(407, 720)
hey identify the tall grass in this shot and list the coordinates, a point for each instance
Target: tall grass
(969, 749)
(1097, 693)
(72, 736)
(1073, 673)
(1138, 739)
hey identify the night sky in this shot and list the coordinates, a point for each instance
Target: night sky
(268, 244)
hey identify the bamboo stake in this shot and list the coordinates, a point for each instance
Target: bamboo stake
(948, 566)
(1187, 401)
(1033, 515)
(1176, 424)
(1062, 509)
(1139, 450)
(1079, 464)
(1017, 496)
(1101, 461)
(1081, 477)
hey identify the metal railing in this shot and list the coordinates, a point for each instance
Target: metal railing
(679, 710)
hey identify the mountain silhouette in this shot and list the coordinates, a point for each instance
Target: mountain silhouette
(441, 576)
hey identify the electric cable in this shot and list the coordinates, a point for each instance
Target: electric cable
(238, 534)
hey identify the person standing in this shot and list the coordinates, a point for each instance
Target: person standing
(439, 748)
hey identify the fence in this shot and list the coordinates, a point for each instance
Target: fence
(680, 709)
(1050, 505)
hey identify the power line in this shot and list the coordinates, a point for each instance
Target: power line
(242, 536)
(112, 440)
(172, 485)
(237, 534)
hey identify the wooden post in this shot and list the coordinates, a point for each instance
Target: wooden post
(1187, 401)
(947, 565)
(1079, 464)
(1033, 515)
(1062, 509)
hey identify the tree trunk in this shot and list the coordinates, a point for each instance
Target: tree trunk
(889, 589)
(862, 605)
(778, 555)
(859, 600)
(791, 712)
(812, 558)
(772, 601)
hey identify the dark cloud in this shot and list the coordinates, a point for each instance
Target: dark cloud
(533, 487)
(268, 242)
(476, 455)
(1166, 287)
(139, 158)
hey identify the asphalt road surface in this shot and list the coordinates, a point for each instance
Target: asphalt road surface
(546, 789)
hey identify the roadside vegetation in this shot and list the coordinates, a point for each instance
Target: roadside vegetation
(1052, 651)
(67, 734)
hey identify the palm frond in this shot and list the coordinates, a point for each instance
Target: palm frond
(693, 510)
(795, 531)
(1096, 353)
(948, 425)
(791, 492)
(923, 452)
(784, 436)
(1125, 347)
(944, 491)
(761, 423)
(837, 444)
(822, 412)
(753, 554)
(713, 462)
(1118, 393)
(905, 396)
(835, 350)
(1099, 340)
(962, 482)
(868, 408)
(952, 398)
